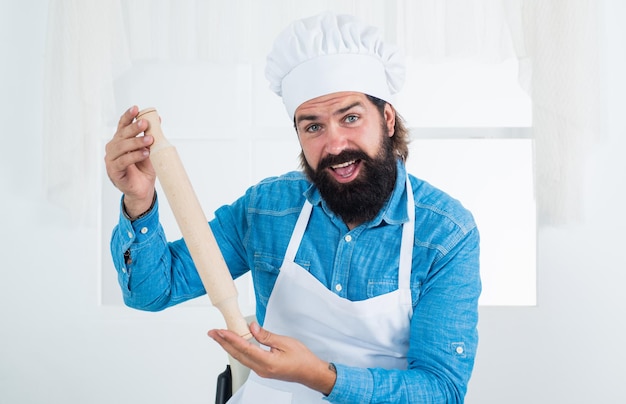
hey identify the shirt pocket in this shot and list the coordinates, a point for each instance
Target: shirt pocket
(377, 287)
(264, 274)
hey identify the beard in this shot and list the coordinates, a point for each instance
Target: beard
(360, 200)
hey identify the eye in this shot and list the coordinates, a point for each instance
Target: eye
(313, 128)
(351, 118)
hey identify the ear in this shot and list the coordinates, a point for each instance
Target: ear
(389, 114)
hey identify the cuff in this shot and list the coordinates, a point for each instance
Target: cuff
(127, 216)
(141, 228)
(352, 385)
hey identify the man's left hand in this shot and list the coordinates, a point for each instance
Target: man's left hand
(287, 359)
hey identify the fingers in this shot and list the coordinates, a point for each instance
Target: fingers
(126, 156)
(122, 154)
(250, 353)
(126, 147)
(124, 161)
(119, 147)
(128, 117)
(132, 129)
(246, 352)
(127, 127)
(230, 339)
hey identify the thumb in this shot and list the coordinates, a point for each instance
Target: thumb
(260, 334)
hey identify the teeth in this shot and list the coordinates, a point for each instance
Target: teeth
(346, 164)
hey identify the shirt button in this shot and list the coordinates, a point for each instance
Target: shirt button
(130, 234)
(459, 350)
(124, 270)
(348, 238)
(144, 230)
(338, 287)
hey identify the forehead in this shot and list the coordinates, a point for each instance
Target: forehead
(330, 103)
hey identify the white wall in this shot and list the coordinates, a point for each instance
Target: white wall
(58, 345)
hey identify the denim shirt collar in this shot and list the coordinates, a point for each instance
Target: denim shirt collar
(393, 212)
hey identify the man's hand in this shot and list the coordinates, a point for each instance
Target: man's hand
(288, 359)
(128, 164)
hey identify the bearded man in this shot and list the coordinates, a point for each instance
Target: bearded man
(366, 278)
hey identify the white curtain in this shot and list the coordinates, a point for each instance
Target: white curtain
(563, 59)
(91, 42)
(85, 50)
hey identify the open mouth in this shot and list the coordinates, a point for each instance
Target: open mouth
(345, 172)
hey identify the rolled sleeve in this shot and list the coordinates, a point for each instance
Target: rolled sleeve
(152, 273)
(131, 243)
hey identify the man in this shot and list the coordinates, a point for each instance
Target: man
(366, 278)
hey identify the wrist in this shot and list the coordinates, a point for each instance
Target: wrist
(134, 209)
(325, 378)
(332, 378)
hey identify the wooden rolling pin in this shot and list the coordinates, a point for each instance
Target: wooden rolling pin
(193, 225)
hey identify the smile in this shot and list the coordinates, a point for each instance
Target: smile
(345, 171)
(346, 164)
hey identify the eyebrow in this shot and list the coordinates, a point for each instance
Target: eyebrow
(340, 111)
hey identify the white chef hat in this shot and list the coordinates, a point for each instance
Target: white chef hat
(329, 53)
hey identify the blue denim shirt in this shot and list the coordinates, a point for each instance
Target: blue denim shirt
(253, 234)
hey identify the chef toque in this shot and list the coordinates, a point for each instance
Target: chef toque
(329, 53)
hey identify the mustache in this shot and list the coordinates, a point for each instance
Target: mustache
(344, 156)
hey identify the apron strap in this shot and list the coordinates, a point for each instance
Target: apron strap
(408, 234)
(298, 232)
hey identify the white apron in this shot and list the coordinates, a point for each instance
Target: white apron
(367, 333)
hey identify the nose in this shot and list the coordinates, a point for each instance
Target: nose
(336, 140)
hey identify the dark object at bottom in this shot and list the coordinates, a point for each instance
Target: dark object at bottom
(224, 388)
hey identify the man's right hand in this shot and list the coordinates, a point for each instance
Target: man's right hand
(128, 164)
